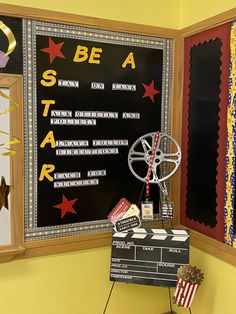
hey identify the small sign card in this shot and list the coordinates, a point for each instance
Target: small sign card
(127, 223)
(147, 210)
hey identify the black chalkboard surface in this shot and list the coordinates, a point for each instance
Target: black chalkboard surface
(11, 42)
(107, 138)
(203, 131)
(94, 94)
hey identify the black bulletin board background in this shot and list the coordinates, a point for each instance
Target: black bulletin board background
(95, 202)
(203, 131)
(15, 63)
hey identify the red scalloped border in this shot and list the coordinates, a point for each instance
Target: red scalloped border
(222, 32)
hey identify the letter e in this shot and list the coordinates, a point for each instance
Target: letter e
(95, 53)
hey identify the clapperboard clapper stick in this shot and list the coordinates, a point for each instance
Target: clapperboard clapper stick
(149, 256)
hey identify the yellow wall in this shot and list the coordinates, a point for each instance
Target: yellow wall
(195, 11)
(78, 282)
(162, 13)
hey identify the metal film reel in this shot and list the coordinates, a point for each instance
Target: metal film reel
(166, 159)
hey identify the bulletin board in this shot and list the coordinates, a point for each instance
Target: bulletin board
(89, 94)
(204, 130)
(93, 93)
(208, 137)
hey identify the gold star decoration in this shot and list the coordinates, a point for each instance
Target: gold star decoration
(4, 191)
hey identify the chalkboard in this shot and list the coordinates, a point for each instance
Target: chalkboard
(149, 256)
(90, 93)
(205, 98)
(203, 131)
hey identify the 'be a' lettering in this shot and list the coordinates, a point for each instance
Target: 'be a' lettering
(82, 54)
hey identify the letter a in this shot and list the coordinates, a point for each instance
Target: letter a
(129, 60)
(46, 169)
(49, 138)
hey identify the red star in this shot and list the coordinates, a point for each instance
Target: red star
(66, 206)
(54, 50)
(150, 91)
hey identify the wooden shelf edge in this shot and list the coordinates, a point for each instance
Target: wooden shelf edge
(65, 245)
(9, 253)
(211, 246)
(71, 244)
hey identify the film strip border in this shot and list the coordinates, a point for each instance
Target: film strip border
(229, 196)
(84, 33)
(30, 30)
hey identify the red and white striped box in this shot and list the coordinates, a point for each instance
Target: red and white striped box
(184, 293)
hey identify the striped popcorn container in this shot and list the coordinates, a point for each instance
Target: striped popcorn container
(189, 279)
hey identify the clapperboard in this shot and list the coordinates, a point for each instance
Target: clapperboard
(149, 256)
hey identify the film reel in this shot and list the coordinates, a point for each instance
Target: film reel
(166, 159)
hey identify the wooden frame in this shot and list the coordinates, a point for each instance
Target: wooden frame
(52, 246)
(201, 241)
(7, 252)
(200, 39)
(42, 221)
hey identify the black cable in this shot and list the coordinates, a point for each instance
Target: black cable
(140, 196)
(108, 299)
(171, 310)
(162, 223)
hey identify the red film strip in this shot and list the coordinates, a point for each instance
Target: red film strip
(150, 165)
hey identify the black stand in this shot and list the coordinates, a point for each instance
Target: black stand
(113, 284)
(108, 299)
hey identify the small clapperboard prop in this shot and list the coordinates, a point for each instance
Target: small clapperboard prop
(149, 256)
